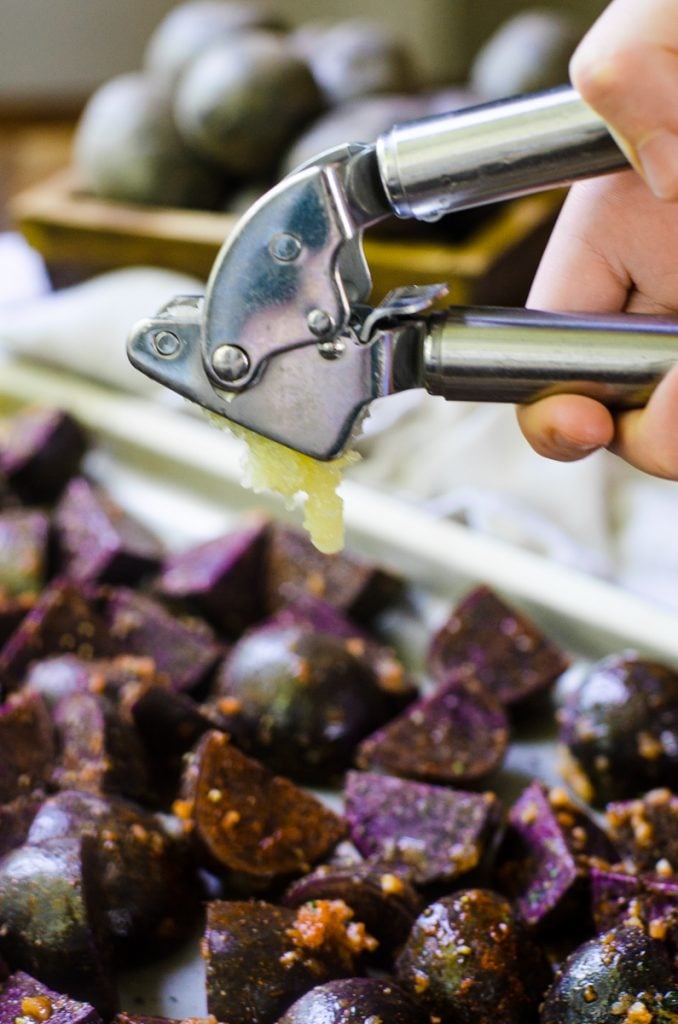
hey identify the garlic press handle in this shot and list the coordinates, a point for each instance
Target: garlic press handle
(521, 355)
(493, 152)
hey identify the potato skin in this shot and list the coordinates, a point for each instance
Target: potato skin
(620, 729)
(304, 699)
(607, 976)
(470, 961)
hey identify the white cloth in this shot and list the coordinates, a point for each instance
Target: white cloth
(84, 328)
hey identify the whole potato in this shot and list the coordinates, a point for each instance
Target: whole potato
(127, 147)
(242, 101)
(355, 57)
(192, 26)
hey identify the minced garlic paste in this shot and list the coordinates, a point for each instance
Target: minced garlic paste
(298, 478)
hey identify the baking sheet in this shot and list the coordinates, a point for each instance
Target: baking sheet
(182, 478)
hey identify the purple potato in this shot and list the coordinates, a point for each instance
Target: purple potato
(546, 855)
(319, 615)
(355, 1001)
(98, 541)
(381, 898)
(261, 958)
(64, 943)
(302, 700)
(622, 974)
(651, 901)
(169, 725)
(63, 675)
(184, 650)
(63, 621)
(497, 645)
(16, 818)
(433, 833)
(619, 729)
(251, 823)
(41, 453)
(23, 998)
(354, 57)
(470, 961)
(27, 745)
(222, 579)
(59, 676)
(100, 750)
(354, 585)
(645, 831)
(24, 538)
(13, 611)
(457, 735)
(146, 886)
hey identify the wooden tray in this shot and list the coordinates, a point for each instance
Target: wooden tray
(71, 229)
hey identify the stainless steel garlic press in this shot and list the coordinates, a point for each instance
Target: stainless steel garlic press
(285, 342)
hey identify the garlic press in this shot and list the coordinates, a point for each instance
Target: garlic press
(285, 341)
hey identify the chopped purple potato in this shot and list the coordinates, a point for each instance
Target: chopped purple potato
(41, 453)
(436, 834)
(497, 645)
(146, 884)
(317, 614)
(25, 999)
(261, 958)
(169, 723)
(470, 961)
(100, 750)
(457, 735)
(13, 610)
(645, 831)
(221, 578)
(16, 818)
(621, 898)
(619, 729)
(24, 539)
(301, 699)
(249, 822)
(355, 1001)
(623, 974)
(381, 897)
(184, 650)
(61, 676)
(63, 621)
(545, 858)
(64, 943)
(613, 890)
(356, 586)
(27, 745)
(98, 541)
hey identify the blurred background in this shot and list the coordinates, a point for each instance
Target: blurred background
(55, 51)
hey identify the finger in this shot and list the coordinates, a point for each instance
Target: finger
(626, 67)
(579, 270)
(566, 427)
(648, 438)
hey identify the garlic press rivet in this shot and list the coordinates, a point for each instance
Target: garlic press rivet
(230, 363)
(285, 247)
(320, 322)
(166, 344)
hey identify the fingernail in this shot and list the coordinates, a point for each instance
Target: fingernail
(571, 447)
(658, 156)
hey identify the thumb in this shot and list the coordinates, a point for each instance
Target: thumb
(626, 68)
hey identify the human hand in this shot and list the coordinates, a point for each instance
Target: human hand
(626, 68)
(614, 248)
